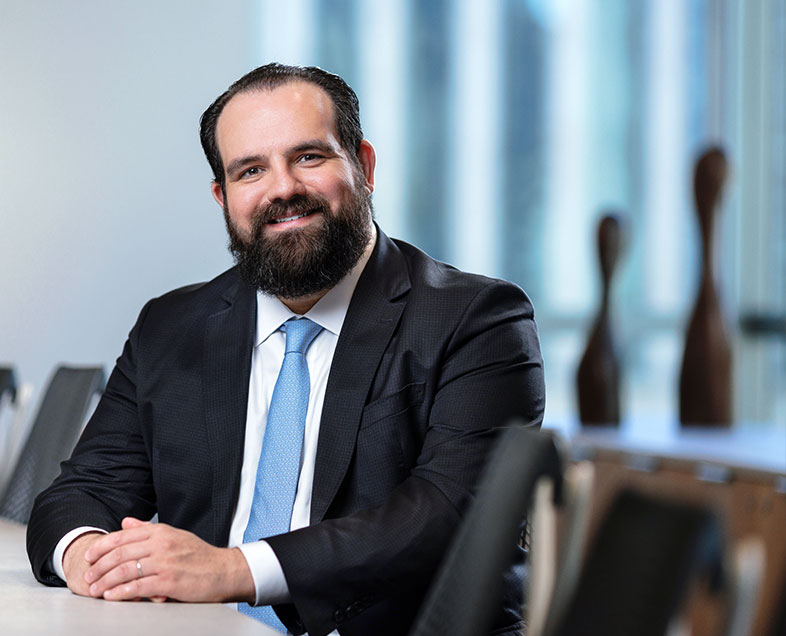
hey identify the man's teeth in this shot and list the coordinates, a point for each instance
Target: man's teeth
(291, 218)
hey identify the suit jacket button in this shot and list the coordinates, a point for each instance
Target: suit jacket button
(339, 616)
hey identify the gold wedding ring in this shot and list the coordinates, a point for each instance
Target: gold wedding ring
(139, 569)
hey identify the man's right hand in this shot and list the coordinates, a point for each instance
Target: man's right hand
(75, 565)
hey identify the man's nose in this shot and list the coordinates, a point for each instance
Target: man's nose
(284, 184)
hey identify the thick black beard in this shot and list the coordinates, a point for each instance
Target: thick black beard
(302, 261)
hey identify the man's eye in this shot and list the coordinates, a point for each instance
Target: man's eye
(251, 172)
(310, 156)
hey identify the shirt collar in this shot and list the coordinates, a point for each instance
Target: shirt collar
(329, 312)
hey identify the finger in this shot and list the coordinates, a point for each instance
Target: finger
(128, 553)
(133, 522)
(113, 540)
(125, 573)
(147, 587)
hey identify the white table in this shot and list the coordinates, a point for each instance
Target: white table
(746, 445)
(27, 607)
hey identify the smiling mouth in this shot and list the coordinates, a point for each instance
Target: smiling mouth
(294, 217)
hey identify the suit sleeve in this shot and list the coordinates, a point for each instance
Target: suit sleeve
(107, 477)
(373, 567)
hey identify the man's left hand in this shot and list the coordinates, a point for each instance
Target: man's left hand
(172, 563)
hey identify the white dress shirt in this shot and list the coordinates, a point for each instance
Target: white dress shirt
(266, 362)
(269, 346)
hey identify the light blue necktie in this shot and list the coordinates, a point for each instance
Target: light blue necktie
(279, 461)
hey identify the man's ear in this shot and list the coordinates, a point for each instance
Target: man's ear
(368, 161)
(218, 193)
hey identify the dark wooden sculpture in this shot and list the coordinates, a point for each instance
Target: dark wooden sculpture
(598, 377)
(705, 378)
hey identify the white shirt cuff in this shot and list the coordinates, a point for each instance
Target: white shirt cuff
(62, 545)
(271, 586)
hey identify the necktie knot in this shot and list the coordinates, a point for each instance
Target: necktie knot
(300, 334)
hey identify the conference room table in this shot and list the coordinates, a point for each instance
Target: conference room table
(27, 607)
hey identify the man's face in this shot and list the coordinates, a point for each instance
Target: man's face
(296, 203)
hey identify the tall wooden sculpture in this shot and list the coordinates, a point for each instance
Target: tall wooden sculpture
(598, 377)
(705, 378)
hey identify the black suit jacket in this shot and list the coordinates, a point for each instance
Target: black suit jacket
(430, 363)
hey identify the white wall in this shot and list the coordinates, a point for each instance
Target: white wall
(104, 190)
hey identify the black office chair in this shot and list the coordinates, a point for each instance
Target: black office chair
(52, 437)
(8, 393)
(468, 586)
(7, 383)
(638, 570)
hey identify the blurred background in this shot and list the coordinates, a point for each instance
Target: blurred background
(504, 129)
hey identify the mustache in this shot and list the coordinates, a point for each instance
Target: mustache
(298, 204)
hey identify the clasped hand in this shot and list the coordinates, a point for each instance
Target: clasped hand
(173, 564)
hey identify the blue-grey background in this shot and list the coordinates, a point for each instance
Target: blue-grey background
(503, 129)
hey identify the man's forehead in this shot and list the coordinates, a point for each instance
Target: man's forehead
(293, 96)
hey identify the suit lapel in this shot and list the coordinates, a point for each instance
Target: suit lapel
(372, 317)
(229, 341)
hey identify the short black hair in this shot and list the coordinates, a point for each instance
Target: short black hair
(346, 107)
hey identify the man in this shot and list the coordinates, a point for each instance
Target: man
(411, 370)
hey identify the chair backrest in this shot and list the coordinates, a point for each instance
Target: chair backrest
(8, 399)
(468, 587)
(7, 382)
(637, 571)
(52, 437)
(557, 548)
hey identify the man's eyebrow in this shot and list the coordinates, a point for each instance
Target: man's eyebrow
(315, 144)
